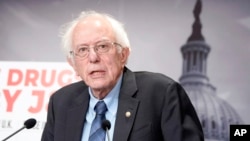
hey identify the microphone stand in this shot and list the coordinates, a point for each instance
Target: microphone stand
(107, 131)
(13, 133)
(27, 124)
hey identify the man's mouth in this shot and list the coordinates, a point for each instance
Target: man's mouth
(98, 73)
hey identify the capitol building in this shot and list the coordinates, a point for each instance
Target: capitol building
(215, 114)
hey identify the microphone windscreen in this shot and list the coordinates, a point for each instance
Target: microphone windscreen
(30, 123)
(106, 124)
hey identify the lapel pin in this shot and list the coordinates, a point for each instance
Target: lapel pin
(127, 114)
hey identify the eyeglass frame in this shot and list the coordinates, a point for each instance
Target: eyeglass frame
(95, 47)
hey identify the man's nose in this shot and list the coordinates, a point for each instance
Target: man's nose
(93, 55)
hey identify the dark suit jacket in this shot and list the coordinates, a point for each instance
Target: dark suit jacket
(160, 111)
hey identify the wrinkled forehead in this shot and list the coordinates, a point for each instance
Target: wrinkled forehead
(94, 26)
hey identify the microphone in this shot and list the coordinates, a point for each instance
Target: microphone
(27, 124)
(106, 126)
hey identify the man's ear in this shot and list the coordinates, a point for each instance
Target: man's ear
(124, 55)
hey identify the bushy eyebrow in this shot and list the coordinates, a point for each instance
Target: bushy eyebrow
(86, 45)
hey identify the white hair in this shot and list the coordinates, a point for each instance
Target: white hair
(118, 29)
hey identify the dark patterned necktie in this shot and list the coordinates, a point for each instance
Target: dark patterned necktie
(96, 132)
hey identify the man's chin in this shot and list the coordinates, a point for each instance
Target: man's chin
(98, 86)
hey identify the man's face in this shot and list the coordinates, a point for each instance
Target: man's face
(99, 71)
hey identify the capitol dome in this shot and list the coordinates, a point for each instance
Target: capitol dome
(215, 114)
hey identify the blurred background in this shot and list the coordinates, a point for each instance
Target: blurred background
(29, 36)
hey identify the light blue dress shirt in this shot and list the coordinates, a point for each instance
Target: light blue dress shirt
(111, 101)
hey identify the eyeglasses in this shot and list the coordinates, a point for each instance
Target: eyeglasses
(100, 48)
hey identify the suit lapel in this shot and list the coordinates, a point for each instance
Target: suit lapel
(127, 107)
(124, 122)
(76, 117)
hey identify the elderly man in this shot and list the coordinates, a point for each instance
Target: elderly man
(140, 106)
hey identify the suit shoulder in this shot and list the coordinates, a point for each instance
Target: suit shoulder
(71, 89)
(152, 77)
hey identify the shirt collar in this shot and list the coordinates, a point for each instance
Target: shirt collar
(111, 100)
